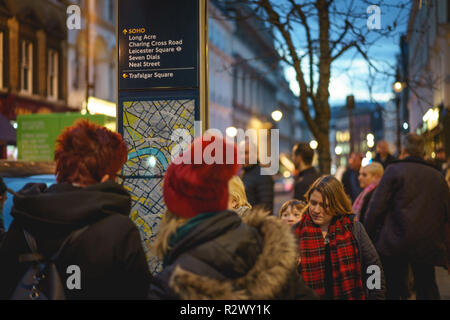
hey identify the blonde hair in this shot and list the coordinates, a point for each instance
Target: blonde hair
(237, 193)
(375, 169)
(336, 201)
(169, 226)
(293, 204)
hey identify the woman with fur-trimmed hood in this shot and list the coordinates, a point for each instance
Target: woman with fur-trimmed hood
(209, 252)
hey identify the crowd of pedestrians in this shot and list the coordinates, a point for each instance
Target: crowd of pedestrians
(219, 237)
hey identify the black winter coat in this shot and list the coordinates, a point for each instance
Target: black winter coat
(109, 253)
(407, 214)
(225, 257)
(304, 180)
(259, 188)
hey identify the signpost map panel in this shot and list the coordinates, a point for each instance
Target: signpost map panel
(148, 127)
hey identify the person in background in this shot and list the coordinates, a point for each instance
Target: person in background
(210, 252)
(2, 201)
(258, 187)
(302, 155)
(369, 177)
(383, 156)
(109, 252)
(238, 199)
(350, 176)
(291, 211)
(407, 220)
(335, 250)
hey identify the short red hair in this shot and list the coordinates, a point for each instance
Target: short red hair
(85, 152)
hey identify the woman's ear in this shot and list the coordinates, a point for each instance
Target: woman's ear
(105, 178)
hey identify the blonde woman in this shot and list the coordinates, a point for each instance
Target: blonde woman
(237, 200)
(369, 177)
(335, 250)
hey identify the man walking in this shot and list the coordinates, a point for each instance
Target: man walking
(383, 156)
(406, 218)
(350, 177)
(303, 156)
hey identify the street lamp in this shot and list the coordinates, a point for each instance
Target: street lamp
(277, 115)
(398, 86)
(313, 144)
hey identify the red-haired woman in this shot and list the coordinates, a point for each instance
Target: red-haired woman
(337, 258)
(108, 253)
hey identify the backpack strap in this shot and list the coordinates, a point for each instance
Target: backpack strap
(34, 256)
(70, 239)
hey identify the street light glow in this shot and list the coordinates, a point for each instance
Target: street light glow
(405, 125)
(370, 140)
(313, 144)
(398, 86)
(231, 132)
(277, 115)
(338, 150)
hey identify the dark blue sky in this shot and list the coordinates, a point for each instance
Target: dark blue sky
(350, 72)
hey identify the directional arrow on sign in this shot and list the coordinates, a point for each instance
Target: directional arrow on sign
(125, 31)
(125, 76)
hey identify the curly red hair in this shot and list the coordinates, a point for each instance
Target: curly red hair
(85, 152)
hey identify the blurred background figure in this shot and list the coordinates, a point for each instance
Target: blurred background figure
(369, 177)
(302, 155)
(259, 188)
(2, 201)
(237, 199)
(350, 176)
(383, 156)
(291, 211)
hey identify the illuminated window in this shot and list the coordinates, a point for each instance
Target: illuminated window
(52, 74)
(26, 67)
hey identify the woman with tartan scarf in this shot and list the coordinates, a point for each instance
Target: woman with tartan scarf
(335, 250)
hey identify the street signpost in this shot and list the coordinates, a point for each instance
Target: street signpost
(162, 82)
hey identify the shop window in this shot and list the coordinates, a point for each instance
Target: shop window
(52, 74)
(26, 66)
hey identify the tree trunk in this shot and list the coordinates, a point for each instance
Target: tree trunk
(323, 151)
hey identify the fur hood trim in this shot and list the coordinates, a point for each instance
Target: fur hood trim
(265, 280)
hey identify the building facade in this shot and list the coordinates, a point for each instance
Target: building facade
(368, 128)
(33, 51)
(428, 79)
(247, 82)
(95, 42)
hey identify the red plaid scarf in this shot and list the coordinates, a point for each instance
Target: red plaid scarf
(346, 268)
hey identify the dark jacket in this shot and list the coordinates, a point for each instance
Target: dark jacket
(109, 253)
(408, 212)
(225, 257)
(368, 256)
(351, 183)
(389, 159)
(304, 180)
(259, 188)
(365, 206)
